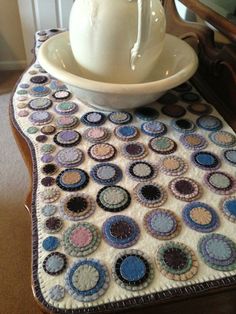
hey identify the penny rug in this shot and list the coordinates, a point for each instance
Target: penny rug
(128, 207)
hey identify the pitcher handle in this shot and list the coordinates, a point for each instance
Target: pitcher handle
(144, 27)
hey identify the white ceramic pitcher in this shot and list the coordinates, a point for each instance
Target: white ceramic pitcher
(117, 40)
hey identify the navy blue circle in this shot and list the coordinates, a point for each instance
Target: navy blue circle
(206, 160)
(209, 123)
(122, 238)
(211, 226)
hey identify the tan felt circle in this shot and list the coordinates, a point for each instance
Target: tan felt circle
(71, 177)
(201, 215)
(171, 163)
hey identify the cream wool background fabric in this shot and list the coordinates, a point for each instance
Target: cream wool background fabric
(146, 243)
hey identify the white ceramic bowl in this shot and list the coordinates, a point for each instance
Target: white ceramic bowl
(176, 64)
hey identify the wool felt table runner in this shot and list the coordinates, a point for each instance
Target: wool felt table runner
(129, 208)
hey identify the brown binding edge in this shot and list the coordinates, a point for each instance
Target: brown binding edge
(148, 300)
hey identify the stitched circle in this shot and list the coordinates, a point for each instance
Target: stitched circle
(53, 224)
(223, 139)
(77, 206)
(48, 210)
(70, 157)
(97, 134)
(146, 113)
(22, 98)
(126, 132)
(56, 293)
(162, 224)
(206, 160)
(93, 118)
(61, 95)
(106, 174)
(48, 129)
(162, 145)
(66, 108)
(22, 92)
(176, 261)
(21, 105)
(87, 280)
(142, 171)
(200, 108)
(209, 123)
(190, 97)
(220, 182)
(40, 117)
(51, 243)
(48, 148)
(55, 263)
(41, 138)
(67, 138)
(113, 198)
(32, 130)
(230, 156)
(24, 85)
(168, 99)
(67, 122)
(46, 158)
(102, 152)
(40, 104)
(174, 111)
(185, 189)
(48, 181)
(150, 194)
(120, 231)
(154, 128)
(55, 85)
(185, 87)
(39, 91)
(39, 79)
(50, 195)
(228, 207)
(218, 252)
(81, 239)
(183, 125)
(200, 217)
(134, 151)
(49, 169)
(72, 179)
(120, 117)
(173, 166)
(132, 270)
(193, 141)
(23, 113)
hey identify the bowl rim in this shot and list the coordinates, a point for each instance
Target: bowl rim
(118, 88)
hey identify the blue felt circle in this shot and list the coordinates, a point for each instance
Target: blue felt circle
(132, 268)
(230, 206)
(51, 243)
(205, 159)
(126, 131)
